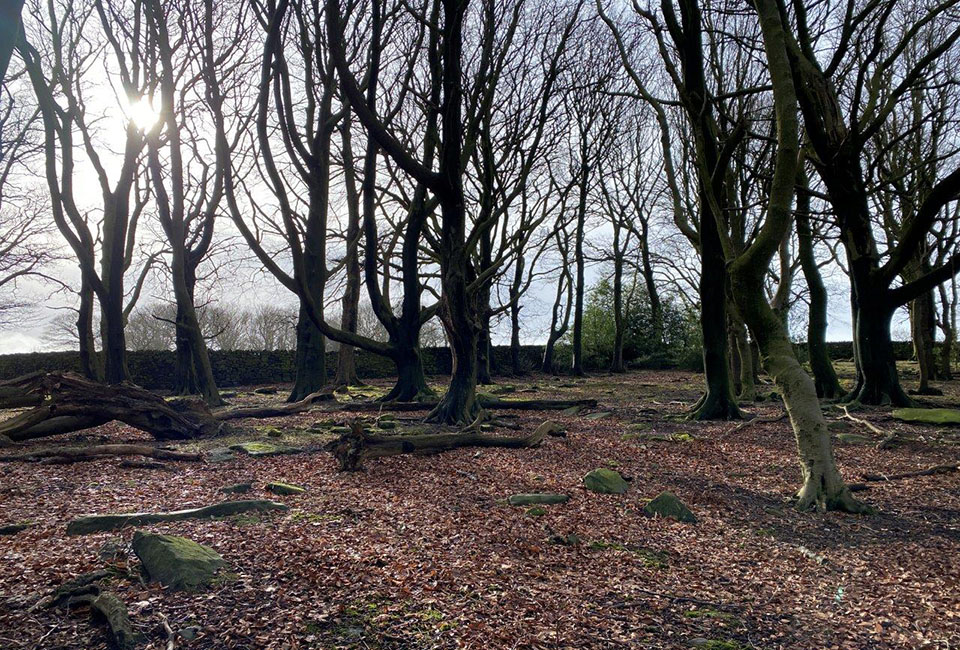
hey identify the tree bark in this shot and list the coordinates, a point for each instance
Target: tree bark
(825, 377)
(352, 448)
(72, 403)
(311, 358)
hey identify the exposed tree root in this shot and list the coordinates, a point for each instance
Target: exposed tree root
(352, 448)
(67, 402)
(930, 471)
(64, 455)
(100, 523)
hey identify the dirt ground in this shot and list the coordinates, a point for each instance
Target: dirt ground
(424, 551)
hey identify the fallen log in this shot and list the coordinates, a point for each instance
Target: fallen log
(100, 523)
(67, 402)
(352, 448)
(307, 403)
(64, 455)
(485, 401)
(930, 471)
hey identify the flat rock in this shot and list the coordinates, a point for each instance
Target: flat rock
(264, 449)
(536, 499)
(666, 504)
(285, 488)
(220, 455)
(176, 562)
(928, 416)
(13, 529)
(237, 488)
(265, 390)
(605, 481)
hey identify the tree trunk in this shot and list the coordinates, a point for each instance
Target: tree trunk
(745, 369)
(189, 324)
(90, 362)
(411, 384)
(579, 261)
(825, 377)
(616, 362)
(718, 402)
(922, 330)
(459, 404)
(114, 341)
(485, 350)
(311, 359)
(880, 383)
(823, 487)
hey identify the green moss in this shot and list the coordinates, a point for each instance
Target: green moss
(928, 416)
(536, 511)
(285, 488)
(650, 558)
(709, 613)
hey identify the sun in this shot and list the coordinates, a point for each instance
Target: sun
(142, 113)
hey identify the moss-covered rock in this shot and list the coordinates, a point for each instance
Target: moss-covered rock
(536, 511)
(264, 449)
(176, 562)
(285, 488)
(537, 499)
(666, 504)
(605, 481)
(928, 416)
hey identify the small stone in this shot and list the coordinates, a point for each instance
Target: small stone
(13, 529)
(266, 390)
(536, 499)
(597, 416)
(285, 488)
(387, 424)
(605, 481)
(274, 432)
(668, 505)
(189, 633)
(238, 488)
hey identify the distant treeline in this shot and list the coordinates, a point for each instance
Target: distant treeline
(154, 369)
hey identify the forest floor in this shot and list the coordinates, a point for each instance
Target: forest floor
(424, 552)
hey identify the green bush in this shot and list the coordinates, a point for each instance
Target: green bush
(680, 345)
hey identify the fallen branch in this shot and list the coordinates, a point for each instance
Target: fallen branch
(100, 523)
(930, 471)
(889, 439)
(307, 403)
(485, 401)
(352, 448)
(749, 423)
(64, 455)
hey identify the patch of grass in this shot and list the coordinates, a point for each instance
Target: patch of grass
(709, 613)
(650, 558)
